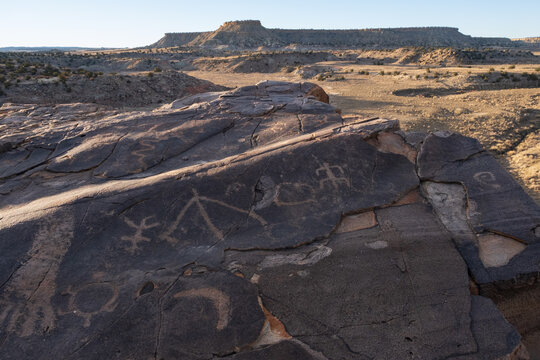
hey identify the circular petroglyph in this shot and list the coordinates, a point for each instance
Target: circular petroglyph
(92, 299)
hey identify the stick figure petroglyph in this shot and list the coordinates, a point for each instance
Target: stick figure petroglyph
(219, 299)
(26, 301)
(333, 175)
(197, 201)
(138, 237)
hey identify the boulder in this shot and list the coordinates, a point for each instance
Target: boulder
(252, 224)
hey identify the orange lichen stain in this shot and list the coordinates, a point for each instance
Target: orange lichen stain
(393, 143)
(410, 198)
(276, 326)
(357, 222)
(239, 274)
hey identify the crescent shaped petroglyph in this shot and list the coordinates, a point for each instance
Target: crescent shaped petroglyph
(220, 300)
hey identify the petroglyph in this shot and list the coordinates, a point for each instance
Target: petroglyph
(34, 284)
(334, 175)
(291, 194)
(91, 299)
(138, 237)
(145, 147)
(219, 299)
(198, 200)
(486, 178)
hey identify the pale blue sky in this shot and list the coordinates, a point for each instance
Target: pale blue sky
(121, 23)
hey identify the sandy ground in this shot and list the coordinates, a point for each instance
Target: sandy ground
(506, 121)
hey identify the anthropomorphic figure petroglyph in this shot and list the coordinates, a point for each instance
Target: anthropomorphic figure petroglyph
(34, 283)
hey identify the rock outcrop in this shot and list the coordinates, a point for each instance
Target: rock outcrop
(250, 34)
(254, 224)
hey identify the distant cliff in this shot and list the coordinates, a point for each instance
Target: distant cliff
(250, 34)
(529, 43)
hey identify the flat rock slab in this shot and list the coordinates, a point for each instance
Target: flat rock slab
(479, 201)
(402, 288)
(246, 224)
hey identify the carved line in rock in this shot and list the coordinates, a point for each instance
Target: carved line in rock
(332, 176)
(335, 179)
(147, 147)
(34, 283)
(197, 201)
(219, 299)
(298, 188)
(108, 306)
(138, 237)
(486, 178)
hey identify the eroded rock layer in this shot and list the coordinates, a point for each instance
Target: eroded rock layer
(253, 224)
(250, 34)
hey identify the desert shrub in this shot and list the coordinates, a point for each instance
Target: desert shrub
(537, 69)
(426, 77)
(381, 72)
(150, 74)
(491, 69)
(397, 72)
(289, 69)
(157, 69)
(417, 76)
(512, 67)
(428, 70)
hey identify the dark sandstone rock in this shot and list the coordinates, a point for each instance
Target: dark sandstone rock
(496, 233)
(249, 224)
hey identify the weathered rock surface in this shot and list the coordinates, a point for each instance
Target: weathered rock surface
(252, 224)
(495, 223)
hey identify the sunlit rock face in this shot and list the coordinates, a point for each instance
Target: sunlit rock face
(251, 34)
(253, 224)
